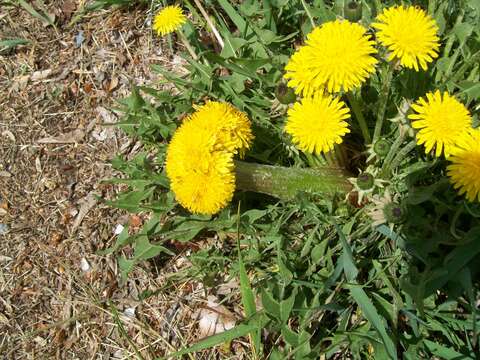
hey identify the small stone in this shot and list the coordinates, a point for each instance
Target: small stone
(118, 229)
(3, 229)
(129, 312)
(84, 265)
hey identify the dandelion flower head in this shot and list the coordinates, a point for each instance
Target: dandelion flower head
(231, 126)
(300, 74)
(169, 19)
(442, 122)
(338, 55)
(316, 124)
(410, 34)
(464, 170)
(201, 176)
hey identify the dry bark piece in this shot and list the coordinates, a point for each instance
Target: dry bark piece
(87, 204)
(71, 137)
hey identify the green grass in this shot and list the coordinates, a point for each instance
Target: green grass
(331, 284)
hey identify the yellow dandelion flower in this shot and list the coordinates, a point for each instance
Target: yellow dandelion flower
(201, 176)
(300, 74)
(336, 56)
(231, 126)
(169, 19)
(316, 124)
(410, 34)
(464, 171)
(442, 121)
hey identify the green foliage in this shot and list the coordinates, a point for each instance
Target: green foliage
(40, 12)
(8, 44)
(330, 284)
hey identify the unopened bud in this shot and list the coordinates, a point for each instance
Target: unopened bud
(365, 181)
(394, 213)
(353, 11)
(381, 147)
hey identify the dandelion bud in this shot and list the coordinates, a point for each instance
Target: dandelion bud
(284, 94)
(365, 181)
(353, 11)
(394, 213)
(381, 147)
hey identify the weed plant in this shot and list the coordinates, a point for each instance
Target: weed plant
(388, 269)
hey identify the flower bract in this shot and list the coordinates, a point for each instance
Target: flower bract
(316, 124)
(410, 35)
(443, 121)
(464, 170)
(169, 19)
(337, 56)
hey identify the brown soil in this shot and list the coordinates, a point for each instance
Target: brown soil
(58, 299)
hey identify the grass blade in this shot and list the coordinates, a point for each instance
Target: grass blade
(229, 335)
(41, 16)
(371, 313)
(123, 332)
(248, 298)
(239, 22)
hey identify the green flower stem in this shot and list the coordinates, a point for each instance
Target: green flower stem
(360, 119)
(315, 161)
(387, 80)
(402, 153)
(285, 183)
(210, 23)
(393, 151)
(377, 8)
(341, 154)
(331, 158)
(187, 45)
(461, 70)
(432, 5)
(388, 167)
(309, 14)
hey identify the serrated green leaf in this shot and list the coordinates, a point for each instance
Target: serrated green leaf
(455, 261)
(286, 306)
(270, 305)
(290, 336)
(346, 258)
(122, 240)
(131, 201)
(470, 88)
(7, 44)
(444, 352)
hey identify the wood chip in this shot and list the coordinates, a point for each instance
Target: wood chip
(71, 137)
(87, 203)
(40, 75)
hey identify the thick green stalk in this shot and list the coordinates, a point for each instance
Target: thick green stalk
(285, 182)
(359, 115)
